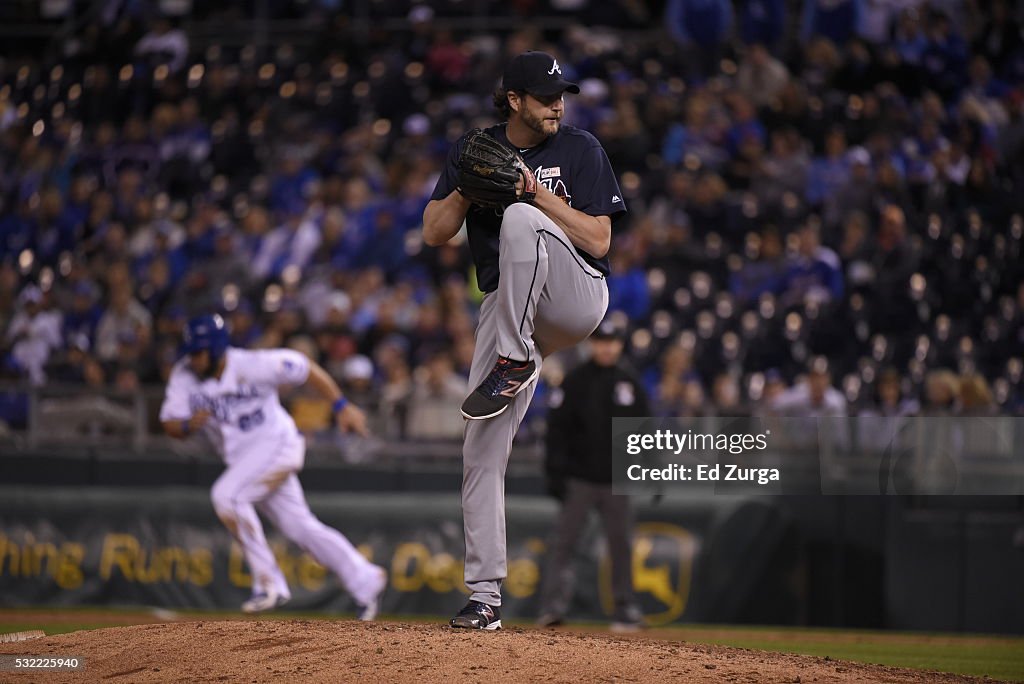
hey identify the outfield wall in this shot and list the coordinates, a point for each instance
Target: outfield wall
(927, 563)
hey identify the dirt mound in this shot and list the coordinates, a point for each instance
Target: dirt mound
(325, 651)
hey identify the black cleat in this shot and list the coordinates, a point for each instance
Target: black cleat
(550, 620)
(507, 379)
(629, 619)
(477, 615)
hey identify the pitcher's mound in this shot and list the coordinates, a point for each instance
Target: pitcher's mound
(325, 651)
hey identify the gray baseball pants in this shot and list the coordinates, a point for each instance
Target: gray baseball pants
(581, 497)
(548, 298)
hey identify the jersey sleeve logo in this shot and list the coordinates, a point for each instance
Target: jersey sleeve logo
(292, 370)
(616, 198)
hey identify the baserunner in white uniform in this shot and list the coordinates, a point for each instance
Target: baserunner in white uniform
(236, 392)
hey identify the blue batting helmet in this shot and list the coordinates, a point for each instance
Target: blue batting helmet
(206, 333)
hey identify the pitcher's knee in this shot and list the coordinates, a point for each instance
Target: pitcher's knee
(520, 218)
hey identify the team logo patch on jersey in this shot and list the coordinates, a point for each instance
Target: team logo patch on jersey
(624, 394)
(550, 172)
(551, 178)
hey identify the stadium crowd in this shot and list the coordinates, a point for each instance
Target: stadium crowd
(825, 204)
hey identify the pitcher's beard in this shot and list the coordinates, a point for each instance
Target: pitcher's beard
(537, 124)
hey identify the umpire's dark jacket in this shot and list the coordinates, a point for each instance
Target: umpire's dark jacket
(579, 438)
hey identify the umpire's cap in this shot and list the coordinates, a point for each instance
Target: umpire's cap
(608, 330)
(537, 73)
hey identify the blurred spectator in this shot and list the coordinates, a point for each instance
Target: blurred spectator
(813, 397)
(447, 60)
(701, 27)
(163, 45)
(437, 393)
(667, 386)
(821, 60)
(830, 172)
(667, 212)
(292, 184)
(184, 148)
(855, 251)
(909, 41)
(32, 335)
(242, 326)
(227, 265)
(764, 271)
(894, 263)
(290, 245)
(774, 387)
(726, 396)
(836, 20)
(707, 206)
(688, 398)
(856, 194)
(699, 138)
(17, 231)
(762, 22)
(878, 17)
(76, 366)
(816, 413)
(1000, 37)
(84, 312)
(746, 126)
(941, 393)
(879, 426)
(944, 60)
(358, 382)
(814, 272)
(783, 170)
(761, 77)
(395, 391)
(889, 400)
(976, 396)
(627, 283)
(125, 317)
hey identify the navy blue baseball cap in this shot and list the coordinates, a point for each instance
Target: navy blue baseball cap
(608, 330)
(536, 73)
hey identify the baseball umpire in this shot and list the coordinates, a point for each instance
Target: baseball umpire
(578, 467)
(538, 199)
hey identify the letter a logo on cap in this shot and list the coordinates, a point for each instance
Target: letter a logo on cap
(554, 68)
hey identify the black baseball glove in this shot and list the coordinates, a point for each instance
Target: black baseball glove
(489, 172)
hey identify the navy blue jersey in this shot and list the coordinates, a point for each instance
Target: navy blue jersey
(571, 164)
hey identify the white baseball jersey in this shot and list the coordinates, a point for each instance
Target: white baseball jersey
(244, 403)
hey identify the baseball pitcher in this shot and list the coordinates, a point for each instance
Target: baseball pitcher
(538, 199)
(235, 391)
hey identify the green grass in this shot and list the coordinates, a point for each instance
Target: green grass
(7, 627)
(996, 657)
